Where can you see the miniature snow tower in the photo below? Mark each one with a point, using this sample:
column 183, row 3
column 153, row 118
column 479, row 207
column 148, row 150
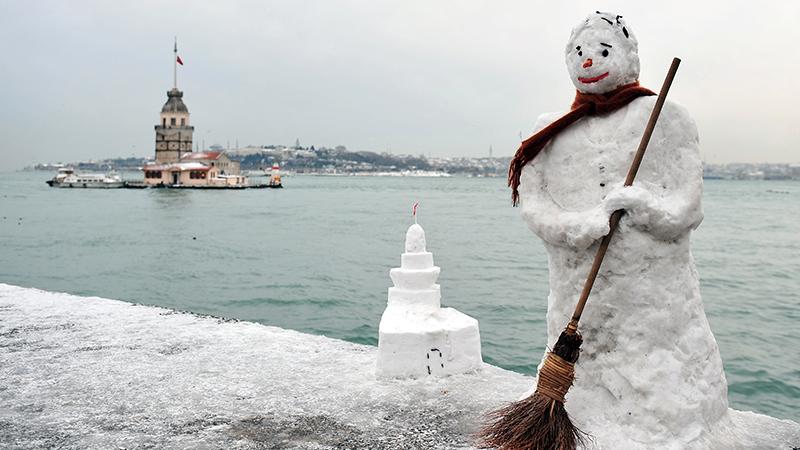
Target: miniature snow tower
column 417, row 337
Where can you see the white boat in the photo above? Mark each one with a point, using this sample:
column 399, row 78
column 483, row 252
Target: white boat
column 67, row 178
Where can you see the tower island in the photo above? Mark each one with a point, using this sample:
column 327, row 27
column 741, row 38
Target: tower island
column 176, row 165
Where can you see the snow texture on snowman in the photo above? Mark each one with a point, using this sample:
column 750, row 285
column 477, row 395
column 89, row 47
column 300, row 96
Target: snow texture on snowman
column 650, row 369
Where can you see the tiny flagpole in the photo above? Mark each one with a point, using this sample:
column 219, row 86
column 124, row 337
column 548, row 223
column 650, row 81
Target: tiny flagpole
column 175, row 65
column 414, row 211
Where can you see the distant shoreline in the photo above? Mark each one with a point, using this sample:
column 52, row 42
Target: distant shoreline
column 342, row 162
column 415, row 174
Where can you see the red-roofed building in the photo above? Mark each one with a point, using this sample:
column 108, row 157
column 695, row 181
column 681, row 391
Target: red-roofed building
column 190, row 174
column 201, row 155
column 213, row 159
column 195, row 169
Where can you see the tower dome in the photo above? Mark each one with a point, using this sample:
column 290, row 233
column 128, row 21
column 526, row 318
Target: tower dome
column 174, row 102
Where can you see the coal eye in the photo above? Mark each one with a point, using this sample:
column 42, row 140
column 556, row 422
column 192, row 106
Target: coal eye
column 580, row 53
column 605, row 52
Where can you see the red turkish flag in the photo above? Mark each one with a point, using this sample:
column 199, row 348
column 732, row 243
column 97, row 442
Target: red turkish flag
column 180, row 61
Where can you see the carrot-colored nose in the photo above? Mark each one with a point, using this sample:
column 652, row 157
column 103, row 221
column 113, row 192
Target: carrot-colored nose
column 587, row 63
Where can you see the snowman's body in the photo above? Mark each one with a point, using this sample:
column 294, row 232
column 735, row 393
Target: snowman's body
column 650, row 365
column 650, row 373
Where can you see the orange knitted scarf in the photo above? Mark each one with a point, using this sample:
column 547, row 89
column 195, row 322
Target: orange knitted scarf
column 584, row 105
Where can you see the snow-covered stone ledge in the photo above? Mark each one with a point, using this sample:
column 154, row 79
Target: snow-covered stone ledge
column 79, row 372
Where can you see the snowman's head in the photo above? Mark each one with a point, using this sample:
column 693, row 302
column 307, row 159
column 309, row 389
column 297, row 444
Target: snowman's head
column 602, row 54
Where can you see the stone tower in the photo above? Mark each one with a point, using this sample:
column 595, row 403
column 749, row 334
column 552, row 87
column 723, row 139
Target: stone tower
column 173, row 134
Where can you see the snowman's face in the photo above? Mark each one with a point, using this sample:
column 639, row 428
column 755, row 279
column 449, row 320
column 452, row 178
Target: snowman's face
column 600, row 59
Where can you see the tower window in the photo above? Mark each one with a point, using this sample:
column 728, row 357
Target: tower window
column 164, row 122
column 183, row 122
column 172, row 121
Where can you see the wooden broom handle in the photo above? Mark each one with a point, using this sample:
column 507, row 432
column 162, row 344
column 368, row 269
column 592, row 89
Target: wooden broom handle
column 617, row 215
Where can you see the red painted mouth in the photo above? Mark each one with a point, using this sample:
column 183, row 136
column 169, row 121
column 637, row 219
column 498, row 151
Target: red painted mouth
column 593, row 79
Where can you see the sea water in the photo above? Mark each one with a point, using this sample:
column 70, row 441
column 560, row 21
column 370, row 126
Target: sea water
column 315, row 256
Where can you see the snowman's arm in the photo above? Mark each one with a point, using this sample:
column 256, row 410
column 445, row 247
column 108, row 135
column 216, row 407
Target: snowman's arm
column 553, row 224
column 674, row 206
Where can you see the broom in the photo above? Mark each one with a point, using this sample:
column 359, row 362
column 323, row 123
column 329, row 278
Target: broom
column 540, row 421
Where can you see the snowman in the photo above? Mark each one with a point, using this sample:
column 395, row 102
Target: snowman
column 650, row 369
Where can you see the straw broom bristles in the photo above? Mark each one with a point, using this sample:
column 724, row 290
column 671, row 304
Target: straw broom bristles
column 540, row 421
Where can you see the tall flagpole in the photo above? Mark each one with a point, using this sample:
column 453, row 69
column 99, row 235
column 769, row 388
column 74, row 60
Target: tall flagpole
column 175, row 66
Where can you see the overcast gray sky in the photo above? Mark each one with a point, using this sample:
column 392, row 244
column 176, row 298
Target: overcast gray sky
column 84, row 79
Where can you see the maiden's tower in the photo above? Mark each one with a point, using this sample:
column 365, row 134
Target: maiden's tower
column 173, row 134
column 176, row 165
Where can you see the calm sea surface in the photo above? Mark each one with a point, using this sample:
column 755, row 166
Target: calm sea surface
column 315, row 257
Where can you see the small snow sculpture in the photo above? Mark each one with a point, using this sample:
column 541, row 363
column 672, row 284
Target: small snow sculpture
column 650, row 370
column 417, row 337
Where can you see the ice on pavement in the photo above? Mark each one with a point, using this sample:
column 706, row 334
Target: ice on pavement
column 95, row 373
column 78, row 372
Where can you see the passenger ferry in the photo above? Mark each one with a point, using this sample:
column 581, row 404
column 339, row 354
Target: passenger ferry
column 67, row 178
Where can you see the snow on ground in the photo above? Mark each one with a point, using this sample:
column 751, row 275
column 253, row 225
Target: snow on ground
column 95, row 373
column 80, row 372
